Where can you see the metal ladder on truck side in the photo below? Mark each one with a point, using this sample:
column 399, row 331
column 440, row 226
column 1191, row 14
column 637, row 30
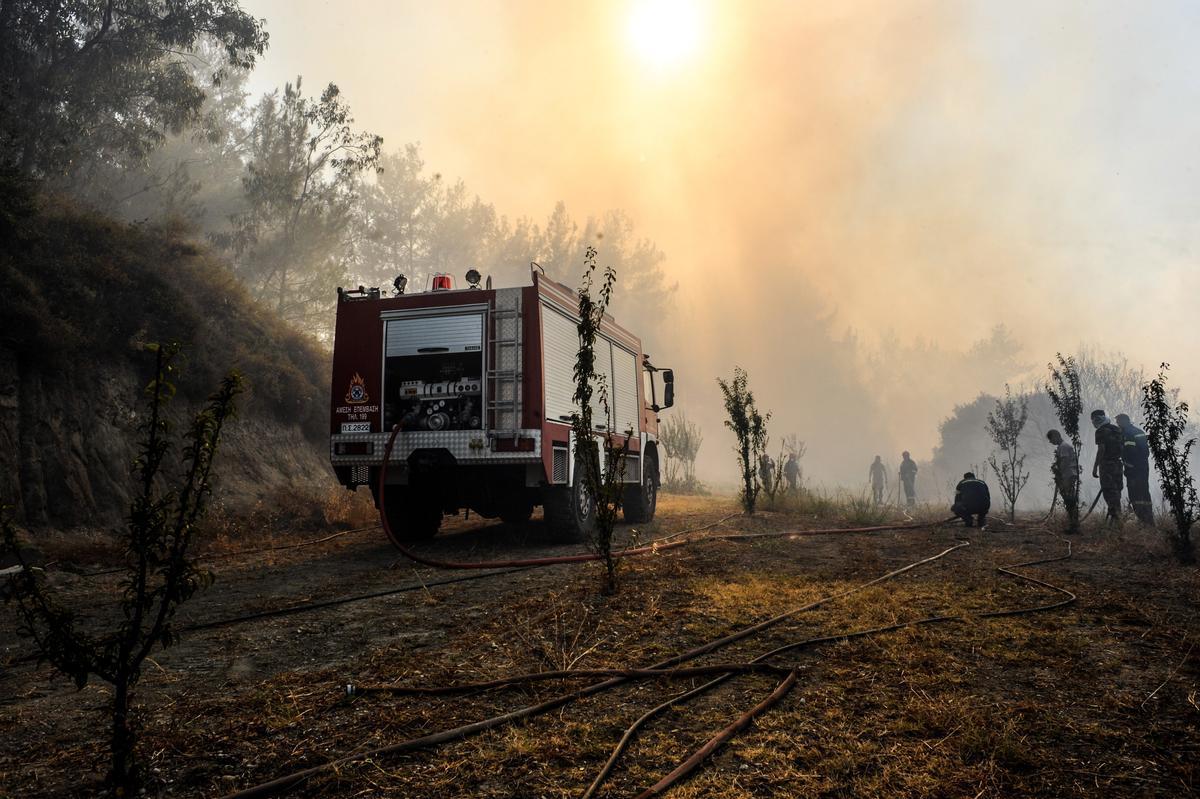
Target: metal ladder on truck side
column 504, row 365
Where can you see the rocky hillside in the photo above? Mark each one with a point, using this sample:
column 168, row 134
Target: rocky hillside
column 80, row 297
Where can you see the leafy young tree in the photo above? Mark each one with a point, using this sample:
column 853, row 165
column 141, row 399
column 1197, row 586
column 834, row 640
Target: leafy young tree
column 1064, row 391
column 85, row 79
column 1004, row 425
column 750, row 427
column 603, row 481
column 293, row 242
column 161, row 575
column 1166, row 426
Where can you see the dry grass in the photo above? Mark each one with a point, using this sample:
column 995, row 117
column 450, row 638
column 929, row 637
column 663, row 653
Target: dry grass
column 286, row 515
column 1054, row 704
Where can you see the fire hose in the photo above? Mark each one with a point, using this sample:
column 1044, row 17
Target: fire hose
column 285, row 783
column 1093, row 507
column 307, row 607
column 693, row 762
column 666, row 669
column 727, row 671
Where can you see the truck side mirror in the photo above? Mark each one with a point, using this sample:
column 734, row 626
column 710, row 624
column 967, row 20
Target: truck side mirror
column 668, row 376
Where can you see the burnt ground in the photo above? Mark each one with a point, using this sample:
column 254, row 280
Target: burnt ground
column 1097, row 698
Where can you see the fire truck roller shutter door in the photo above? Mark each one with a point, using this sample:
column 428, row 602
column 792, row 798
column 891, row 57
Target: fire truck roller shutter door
column 561, row 338
column 419, row 335
column 603, row 368
column 625, row 374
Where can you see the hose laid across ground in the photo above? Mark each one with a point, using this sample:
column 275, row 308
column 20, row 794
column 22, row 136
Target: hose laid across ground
column 726, row 672
column 691, row 763
column 495, row 569
column 254, row 551
column 289, row 781
column 303, row 607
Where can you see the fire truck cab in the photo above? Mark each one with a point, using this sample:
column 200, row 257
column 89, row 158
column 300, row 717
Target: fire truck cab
column 480, row 383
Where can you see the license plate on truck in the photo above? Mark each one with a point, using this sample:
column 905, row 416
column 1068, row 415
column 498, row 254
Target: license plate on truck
column 356, row 427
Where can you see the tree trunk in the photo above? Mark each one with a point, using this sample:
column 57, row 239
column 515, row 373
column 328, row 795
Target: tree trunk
column 123, row 772
column 609, row 586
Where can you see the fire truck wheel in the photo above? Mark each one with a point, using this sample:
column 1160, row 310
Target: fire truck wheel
column 640, row 501
column 570, row 513
column 410, row 518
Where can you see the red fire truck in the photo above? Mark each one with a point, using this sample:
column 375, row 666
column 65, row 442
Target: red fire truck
column 480, row 382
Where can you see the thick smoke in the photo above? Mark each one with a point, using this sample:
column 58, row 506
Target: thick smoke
column 916, row 173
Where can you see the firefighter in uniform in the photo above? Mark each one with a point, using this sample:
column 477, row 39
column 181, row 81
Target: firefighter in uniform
column 791, row 471
column 878, row 479
column 972, row 498
column 1066, row 477
column 1136, row 455
column 766, row 472
column 1110, row 446
column 908, row 478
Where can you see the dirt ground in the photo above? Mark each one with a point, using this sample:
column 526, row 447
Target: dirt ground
column 1098, row 698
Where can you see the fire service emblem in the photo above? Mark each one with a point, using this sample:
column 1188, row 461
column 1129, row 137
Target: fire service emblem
column 357, row 394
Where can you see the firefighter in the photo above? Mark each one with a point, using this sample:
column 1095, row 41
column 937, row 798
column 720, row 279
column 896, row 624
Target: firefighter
column 878, row 479
column 908, row 478
column 1136, row 457
column 766, row 472
column 972, row 498
column 791, row 471
column 1066, row 477
column 1110, row 445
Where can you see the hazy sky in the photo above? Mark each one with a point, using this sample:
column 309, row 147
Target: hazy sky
column 918, row 167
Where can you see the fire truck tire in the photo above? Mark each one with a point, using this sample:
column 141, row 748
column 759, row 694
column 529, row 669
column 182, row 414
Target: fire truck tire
column 640, row 501
column 570, row 513
column 410, row 518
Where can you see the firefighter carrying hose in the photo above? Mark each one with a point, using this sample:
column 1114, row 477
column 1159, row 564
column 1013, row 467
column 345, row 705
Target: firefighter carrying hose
column 1110, row 446
column 972, row 498
column 1136, row 456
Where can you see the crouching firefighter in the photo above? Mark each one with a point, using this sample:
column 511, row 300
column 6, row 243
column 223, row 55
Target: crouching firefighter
column 1109, row 464
column 972, row 498
column 1136, row 456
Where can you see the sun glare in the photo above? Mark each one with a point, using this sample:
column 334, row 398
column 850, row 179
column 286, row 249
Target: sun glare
column 664, row 33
